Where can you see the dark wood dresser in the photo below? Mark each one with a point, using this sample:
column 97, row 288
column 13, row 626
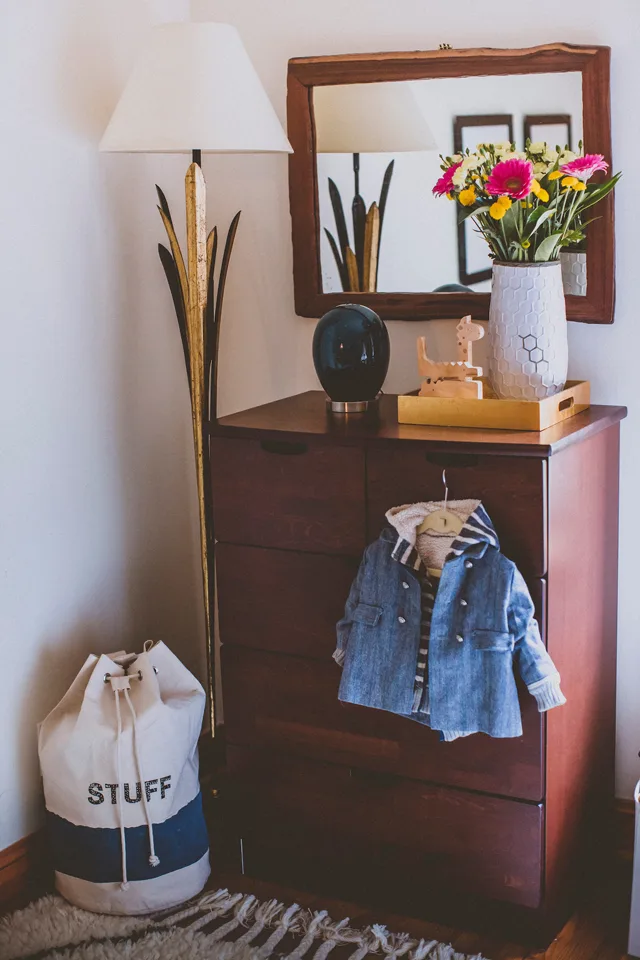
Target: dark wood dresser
column 363, row 804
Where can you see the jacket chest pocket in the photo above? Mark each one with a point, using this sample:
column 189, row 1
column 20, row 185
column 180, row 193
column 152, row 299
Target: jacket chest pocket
column 368, row 613
column 492, row 641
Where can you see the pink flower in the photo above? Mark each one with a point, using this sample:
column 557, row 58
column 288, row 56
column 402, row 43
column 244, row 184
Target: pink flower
column 584, row 167
column 511, row 178
column 445, row 183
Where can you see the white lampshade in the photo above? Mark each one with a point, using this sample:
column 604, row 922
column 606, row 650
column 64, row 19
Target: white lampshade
column 194, row 88
column 370, row 118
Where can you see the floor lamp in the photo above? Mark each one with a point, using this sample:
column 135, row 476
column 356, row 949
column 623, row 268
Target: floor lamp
column 194, row 90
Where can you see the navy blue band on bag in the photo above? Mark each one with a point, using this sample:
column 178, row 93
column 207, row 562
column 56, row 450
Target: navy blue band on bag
column 94, row 853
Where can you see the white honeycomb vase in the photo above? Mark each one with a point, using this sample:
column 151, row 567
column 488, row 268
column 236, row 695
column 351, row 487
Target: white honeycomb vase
column 574, row 273
column 528, row 353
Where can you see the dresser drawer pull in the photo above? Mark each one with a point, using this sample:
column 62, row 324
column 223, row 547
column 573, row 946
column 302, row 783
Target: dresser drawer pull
column 283, row 447
column 447, row 460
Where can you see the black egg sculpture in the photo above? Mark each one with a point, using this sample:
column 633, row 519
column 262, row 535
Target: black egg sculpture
column 351, row 356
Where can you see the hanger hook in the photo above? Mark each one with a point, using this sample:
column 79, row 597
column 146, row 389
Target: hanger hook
column 446, row 488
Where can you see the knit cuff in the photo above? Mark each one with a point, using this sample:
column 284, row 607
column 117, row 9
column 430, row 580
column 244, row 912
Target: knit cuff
column 449, row 735
column 547, row 692
column 338, row 656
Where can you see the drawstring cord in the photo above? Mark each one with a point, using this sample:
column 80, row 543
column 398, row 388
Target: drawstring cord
column 153, row 859
column 123, row 684
column 123, row 841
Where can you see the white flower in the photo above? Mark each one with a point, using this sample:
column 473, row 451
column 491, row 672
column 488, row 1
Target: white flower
column 538, row 147
column 550, row 155
column 566, row 156
column 459, row 177
column 540, row 169
column 472, row 162
column 503, row 147
column 457, row 157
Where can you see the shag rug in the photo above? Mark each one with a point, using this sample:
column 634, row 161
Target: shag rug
column 216, row 926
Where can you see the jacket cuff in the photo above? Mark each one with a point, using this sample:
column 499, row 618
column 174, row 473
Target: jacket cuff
column 547, row 692
column 338, row 656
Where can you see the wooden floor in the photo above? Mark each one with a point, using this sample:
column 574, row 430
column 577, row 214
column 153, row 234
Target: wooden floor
column 598, row 931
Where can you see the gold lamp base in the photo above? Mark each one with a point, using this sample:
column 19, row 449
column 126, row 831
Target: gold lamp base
column 198, row 306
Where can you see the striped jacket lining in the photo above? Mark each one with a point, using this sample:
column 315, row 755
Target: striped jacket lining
column 478, row 529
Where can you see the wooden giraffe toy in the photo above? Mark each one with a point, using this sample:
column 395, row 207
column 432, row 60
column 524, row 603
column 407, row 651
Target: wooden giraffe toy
column 455, row 378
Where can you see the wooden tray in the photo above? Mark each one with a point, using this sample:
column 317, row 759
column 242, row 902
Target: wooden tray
column 497, row 414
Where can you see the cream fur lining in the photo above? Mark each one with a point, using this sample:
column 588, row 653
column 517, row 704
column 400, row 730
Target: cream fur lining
column 432, row 550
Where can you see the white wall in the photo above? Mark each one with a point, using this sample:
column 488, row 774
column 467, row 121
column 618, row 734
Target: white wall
column 280, row 29
column 98, row 531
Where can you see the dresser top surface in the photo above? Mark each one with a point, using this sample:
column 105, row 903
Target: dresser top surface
column 306, row 415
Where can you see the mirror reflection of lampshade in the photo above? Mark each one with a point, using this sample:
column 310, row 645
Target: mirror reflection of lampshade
column 365, row 118
column 370, row 118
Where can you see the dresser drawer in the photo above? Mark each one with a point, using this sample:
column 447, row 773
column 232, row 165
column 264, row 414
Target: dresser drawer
column 293, row 495
column 291, row 704
column 299, row 817
column 512, row 490
column 296, row 598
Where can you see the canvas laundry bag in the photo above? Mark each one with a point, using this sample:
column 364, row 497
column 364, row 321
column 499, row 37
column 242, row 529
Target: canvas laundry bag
column 120, row 771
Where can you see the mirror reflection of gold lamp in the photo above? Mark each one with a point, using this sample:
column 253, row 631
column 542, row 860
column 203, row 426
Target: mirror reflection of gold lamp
column 194, row 90
column 365, row 118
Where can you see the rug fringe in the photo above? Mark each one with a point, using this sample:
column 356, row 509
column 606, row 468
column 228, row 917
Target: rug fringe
column 244, row 910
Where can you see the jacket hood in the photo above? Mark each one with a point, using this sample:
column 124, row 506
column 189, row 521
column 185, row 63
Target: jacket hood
column 476, row 534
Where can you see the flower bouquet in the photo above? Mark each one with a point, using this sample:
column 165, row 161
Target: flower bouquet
column 529, row 206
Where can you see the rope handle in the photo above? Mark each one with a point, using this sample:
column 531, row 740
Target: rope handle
column 123, row 685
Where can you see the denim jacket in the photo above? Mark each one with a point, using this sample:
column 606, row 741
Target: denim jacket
column 445, row 658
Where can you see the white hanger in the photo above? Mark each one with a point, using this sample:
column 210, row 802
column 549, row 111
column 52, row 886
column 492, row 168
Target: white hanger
column 442, row 521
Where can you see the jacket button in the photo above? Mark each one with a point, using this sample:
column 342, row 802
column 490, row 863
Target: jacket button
column 405, row 584
column 401, row 620
column 463, row 603
column 468, row 564
column 460, row 638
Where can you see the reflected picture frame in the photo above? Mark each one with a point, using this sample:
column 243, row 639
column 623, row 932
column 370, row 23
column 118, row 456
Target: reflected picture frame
column 542, row 120
column 501, row 125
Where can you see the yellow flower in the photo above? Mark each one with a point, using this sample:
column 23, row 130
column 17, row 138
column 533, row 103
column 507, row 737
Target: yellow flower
column 539, row 191
column 555, row 175
column 526, row 244
column 579, row 185
column 569, row 181
column 450, row 196
column 504, row 201
column 467, row 197
column 497, row 210
column 525, row 204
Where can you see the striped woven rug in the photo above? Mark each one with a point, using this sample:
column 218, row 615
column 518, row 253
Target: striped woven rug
column 216, row 926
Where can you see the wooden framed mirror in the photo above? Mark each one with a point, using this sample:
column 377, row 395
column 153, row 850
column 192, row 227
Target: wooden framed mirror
column 557, row 87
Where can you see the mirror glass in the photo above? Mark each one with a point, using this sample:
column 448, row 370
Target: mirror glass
column 380, row 143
